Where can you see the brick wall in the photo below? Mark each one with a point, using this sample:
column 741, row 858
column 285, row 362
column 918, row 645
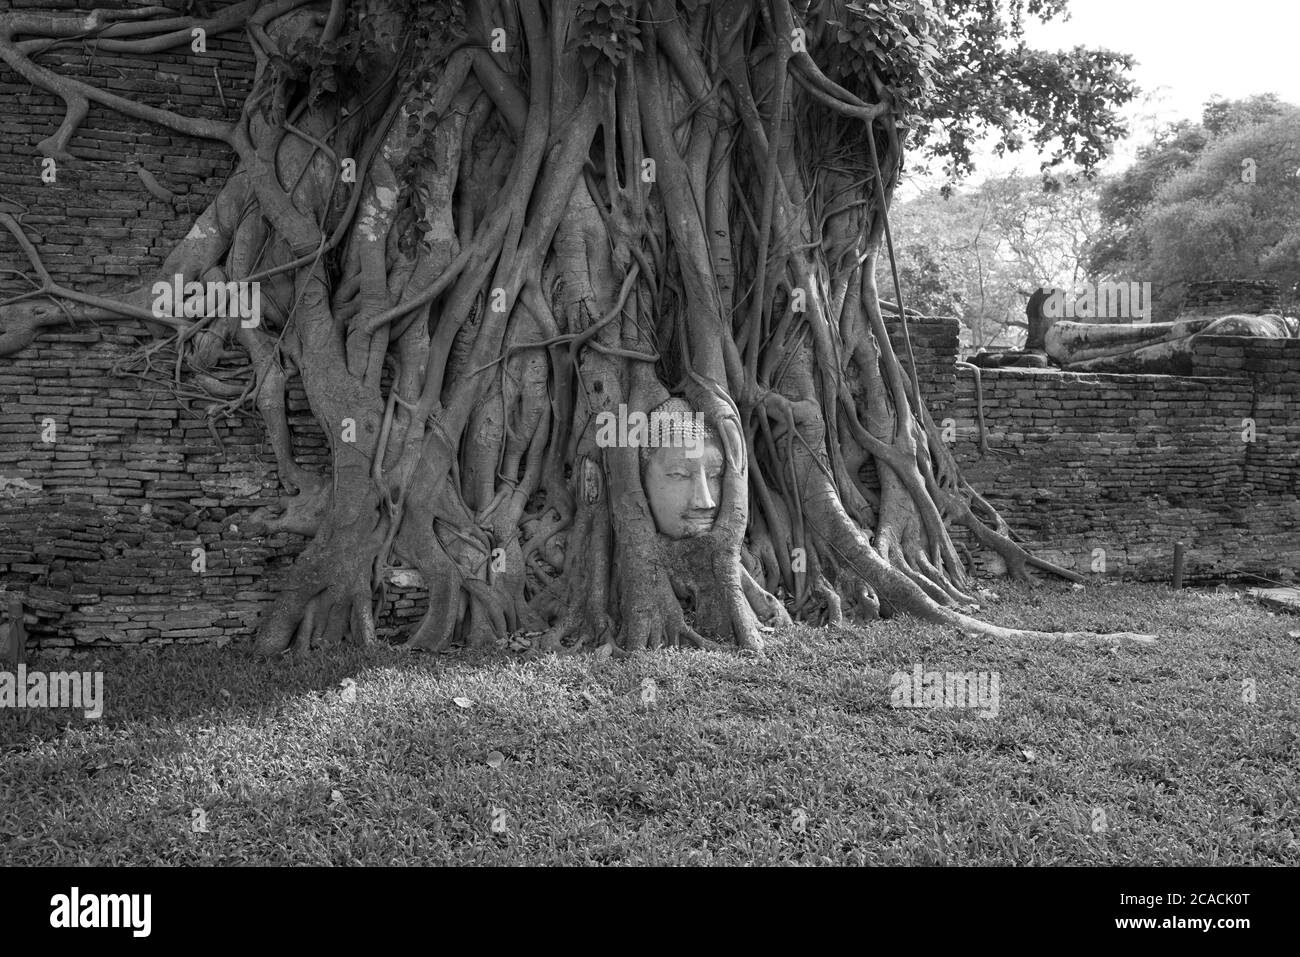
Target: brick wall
column 934, row 344
column 1223, row 297
column 1133, row 463
column 98, row 527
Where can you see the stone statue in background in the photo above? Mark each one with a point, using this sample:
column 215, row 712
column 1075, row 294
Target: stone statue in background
column 1157, row 347
column 681, row 470
column 1033, row 356
column 1154, row 347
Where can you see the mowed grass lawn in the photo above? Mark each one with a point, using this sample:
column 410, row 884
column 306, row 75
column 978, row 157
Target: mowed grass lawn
column 797, row 757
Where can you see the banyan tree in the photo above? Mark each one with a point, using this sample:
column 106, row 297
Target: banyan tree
column 586, row 296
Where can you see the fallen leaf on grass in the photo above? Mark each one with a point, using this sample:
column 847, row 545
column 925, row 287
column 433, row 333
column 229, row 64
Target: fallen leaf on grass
column 462, row 702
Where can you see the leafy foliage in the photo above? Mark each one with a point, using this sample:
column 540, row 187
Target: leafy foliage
column 1208, row 222
column 891, row 40
column 324, row 67
column 1124, row 197
column 1183, row 212
column 439, row 27
column 981, row 251
column 932, row 281
column 605, row 29
column 962, row 71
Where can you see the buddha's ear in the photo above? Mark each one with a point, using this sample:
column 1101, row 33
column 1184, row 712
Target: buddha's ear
column 733, row 445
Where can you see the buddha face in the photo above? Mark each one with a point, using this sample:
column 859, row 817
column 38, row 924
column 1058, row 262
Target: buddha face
column 684, row 487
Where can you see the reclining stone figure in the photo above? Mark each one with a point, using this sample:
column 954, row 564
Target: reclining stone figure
column 1157, row 347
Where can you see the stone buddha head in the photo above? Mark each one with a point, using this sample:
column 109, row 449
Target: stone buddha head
column 682, row 466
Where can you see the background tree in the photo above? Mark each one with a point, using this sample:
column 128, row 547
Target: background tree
column 986, row 247
column 930, row 277
column 559, row 209
column 929, row 234
column 1182, row 212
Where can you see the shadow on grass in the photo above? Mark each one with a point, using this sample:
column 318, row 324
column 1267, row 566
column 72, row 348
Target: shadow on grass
column 180, row 683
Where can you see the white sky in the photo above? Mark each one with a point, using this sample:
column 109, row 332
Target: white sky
column 1186, row 51
column 1191, row 48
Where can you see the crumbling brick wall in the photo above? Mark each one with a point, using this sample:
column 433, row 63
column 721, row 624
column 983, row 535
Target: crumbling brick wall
column 110, row 475
column 1222, row 297
column 1130, row 464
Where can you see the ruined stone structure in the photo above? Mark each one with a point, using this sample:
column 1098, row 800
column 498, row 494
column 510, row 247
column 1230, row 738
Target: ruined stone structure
column 121, row 505
column 1222, row 297
column 1131, row 464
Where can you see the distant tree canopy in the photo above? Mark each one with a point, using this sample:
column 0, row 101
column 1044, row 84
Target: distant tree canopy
column 983, row 81
column 979, row 253
column 1217, row 199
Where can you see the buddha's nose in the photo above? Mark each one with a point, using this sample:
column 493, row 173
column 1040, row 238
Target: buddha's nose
column 701, row 498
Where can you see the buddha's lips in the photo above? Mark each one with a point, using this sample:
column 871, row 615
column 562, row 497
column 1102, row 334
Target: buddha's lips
column 704, row 519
